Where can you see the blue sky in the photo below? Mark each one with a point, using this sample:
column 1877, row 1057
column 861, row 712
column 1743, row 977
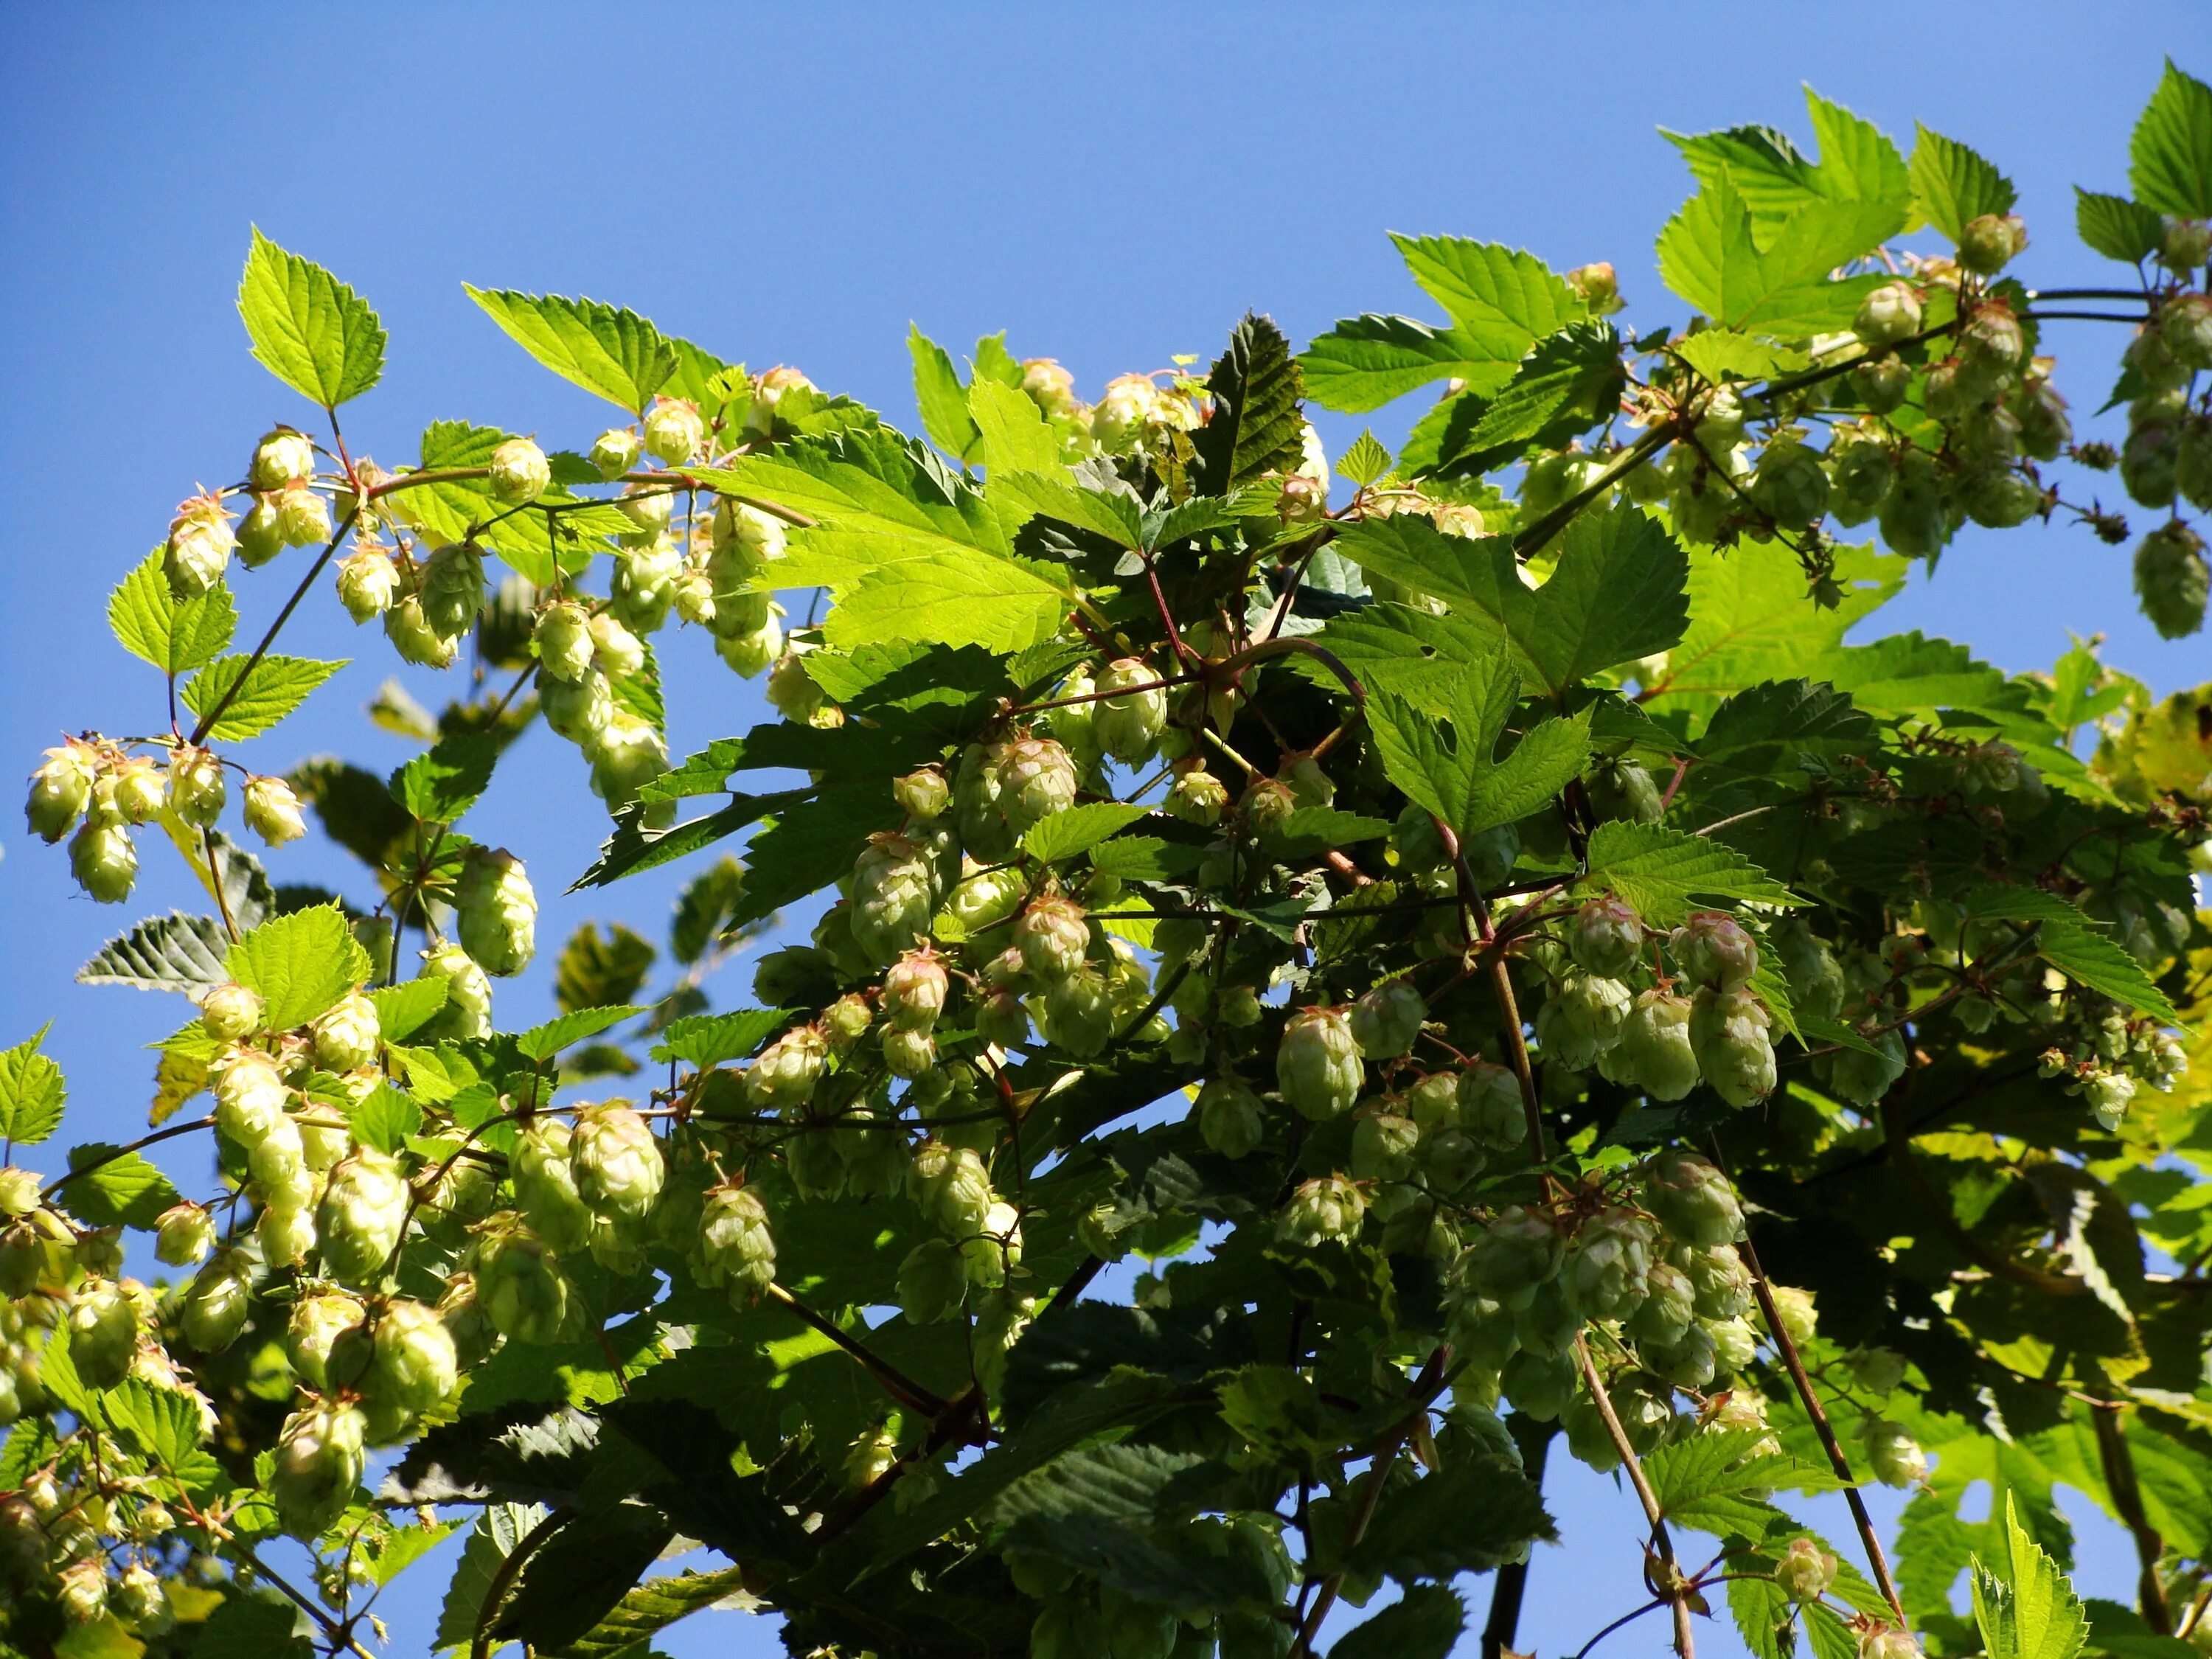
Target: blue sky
column 1111, row 185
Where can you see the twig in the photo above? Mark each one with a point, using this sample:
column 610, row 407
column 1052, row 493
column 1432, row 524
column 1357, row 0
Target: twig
column 1674, row 1588
column 230, row 692
column 2127, row 1498
column 902, row 1388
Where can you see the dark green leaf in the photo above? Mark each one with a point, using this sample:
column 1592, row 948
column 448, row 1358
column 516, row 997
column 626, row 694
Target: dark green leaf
column 175, row 952
column 578, row 1575
column 599, row 970
column 1256, row 428
column 252, row 1627
column 490, row 1541
column 1425, row 1623
column 1663, row 873
column 356, row 808
column 1501, row 298
column 2096, row 960
column 633, row 847
column 440, row 787
column 705, row 1040
column 1318, row 827
column 1078, row 830
column 1709, row 255
column 628, row 1629
column 1467, row 1517
column 1364, row 362
column 1568, row 380
column 707, row 902
column 125, row 1191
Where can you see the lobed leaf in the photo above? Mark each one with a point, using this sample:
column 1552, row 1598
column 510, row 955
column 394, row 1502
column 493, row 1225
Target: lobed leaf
column 301, row 963
column 1663, row 873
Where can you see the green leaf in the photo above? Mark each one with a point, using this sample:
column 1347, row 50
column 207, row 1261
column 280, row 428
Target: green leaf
column 31, row 1092
column 2097, row 961
column 440, row 785
column 248, row 1626
column 2170, row 154
column 273, row 688
column 705, row 1040
column 1364, row 462
column 959, row 597
column 1052, row 496
column 302, row 963
column 1569, row 380
column 1762, row 728
column 1078, row 830
column 175, row 952
column 1619, row 593
column 1501, row 299
column 126, row 1191
column 384, row 1119
column 1710, row 256
column 1468, row 1516
column 163, row 1422
column 1952, row 184
column 405, row 1008
column 941, row 398
column 1721, row 353
column 1551, row 757
column 308, row 329
column 627, row 1631
column 633, row 847
column 1435, row 756
column 490, row 1541
column 1363, row 362
column 2117, row 228
column 1858, row 164
column 1663, row 873
column 1015, row 436
column 1256, row 427
column 615, row 353
column 1425, row 1623
column 600, row 971
column 1718, row 1482
column 1319, row 827
column 703, row 907
column 992, row 361
column 1141, row 857
column 2026, row 1610
column 153, row 626
column 544, row 1042
column 391, row 1551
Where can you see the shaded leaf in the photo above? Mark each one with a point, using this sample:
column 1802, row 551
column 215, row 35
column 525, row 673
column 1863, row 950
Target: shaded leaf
column 175, row 952
column 1078, row 830
column 440, row 787
column 1256, row 428
column 600, row 969
column 1664, row 873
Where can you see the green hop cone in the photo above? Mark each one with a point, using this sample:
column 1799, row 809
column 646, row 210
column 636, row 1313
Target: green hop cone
column 1691, row 1361
column 103, row 1327
column 952, row 1185
column 1196, row 796
column 615, row 451
column 1991, row 350
column 1053, row 938
column 932, row 1282
column 736, row 1249
column 1911, row 516
column 1607, row 1265
column 283, row 456
column 1622, row 789
column 1881, row 383
column 452, row 589
column 1317, row 1063
column 1805, row 1570
column 2192, row 472
column 1325, row 1208
column 414, row 1366
column 347, row 1035
column 412, row 636
column 2173, row 579
column 2148, row 460
column 1654, row 1052
column 1988, row 242
column 616, row 1162
column 1694, row 1200
column 1881, row 1641
column 466, row 1321
column 2184, row 327
column 1540, row 1385
column 544, row 1174
column 229, row 1012
column 302, row 520
column 1729, row 1032
column 520, row 472
column 1605, row 938
column 1863, row 1079
column 984, row 898
column 497, row 911
column 1583, row 1019
column 996, row 1250
column 1384, row 1144
column 894, row 891
column 1860, row 474
column 367, row 582
column 1790, row 485
column 674, row 431
column 643, row 589
column 1490, row 1108
column 563, row 640
column 467, row 1013
column 361, row 1216
column 1718, row 1279
column 1712, row 948
column 104, row 862
column 1816, row 979
column 1230, row 1120
column 1890, row 314
column 1036, row 779
column 61, row 790
column 521, row 1287
column 199, row 550
column 1894, row 1456
column 1077, row 1013
column 217, row 1303
column 286, row 1234
column 2045, row 429
column 183, row 1235
column 1134, row 1629
column 140, row 1602
column 1515, row 1253
column 914, row 990
column 197, row 785
column 788, row 1069
column 1386, row 1019
column 922, row 795
column 1132, row 710
column 1669, row 1305
column 319, row 1318
column 626, row 754
column 320, row 1459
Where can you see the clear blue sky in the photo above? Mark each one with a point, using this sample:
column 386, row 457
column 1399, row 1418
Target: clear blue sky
column 1111, row 185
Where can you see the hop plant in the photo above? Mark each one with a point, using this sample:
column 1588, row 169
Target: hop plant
column 735, row 1248
column 103, row 1327
column 467, row 1012
column 1583, row 1019
column 519, row 470
column 1654, row 1052
column 1325, row 1210
column 1694, row 1200
column 1386, row 1020
column 1132, row 709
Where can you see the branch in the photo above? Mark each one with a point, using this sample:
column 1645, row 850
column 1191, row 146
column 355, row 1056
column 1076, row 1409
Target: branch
column 2127, row 1500
column 1995, row 1262
column 230, row 692
column 144, row 1141
column 1676, row 1588
column 1867, row 1536
column 902, row 1388
column 1500, row 1630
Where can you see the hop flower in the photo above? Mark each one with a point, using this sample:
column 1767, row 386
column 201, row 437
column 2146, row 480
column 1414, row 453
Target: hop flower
column 217, row 1302
column 1051, row 387
column 228, row 1012
column 1607, row 937
column 519, row 470
column 1053, row 938
column 1077, row 1013
column 346, row 1034
column 1654, row 1052
column 467, row 1013
column 103, row 1327
column 497, row 911
column 1036, row 779
column 1894, row 1456
column 1229, row 1116
column 2173, row 579
column 1800, row 1317
column 791, row 690
column 2185, row 328
column 286, row 1235
column 788, row 1069
column 196, row 789
column 61, row 789
column 1863, row 1078
column 914, row 990
column 140, row 1602
column 199, row 546
column 952, row 1186
column 615, row 451
column 1196, row 796
column 1988, row 242
column 272, row 810
column 644, row 586
column 367, row 580
column 1317, row 1063
column 320, row 1317
column 1384, row 1144
column 1880, row 1641
column 1607, row 1264
column 748, row 651
column 103, row 860
column 1326, row 1208
column 361, row 1215
column 1388, row 1018
column 250, row 1097
column 1132, row 710
column 1890, row 314
column 1728, row 1034
column 302, row 517
column 1790, row 485
column 183, row 1234
column 409, row 629
column 452, row 591
column 1516, row 1253
column 932, row 1282
column 83, row 1589
column 563, row 640
column 543, row 1175
column 521, row 1286
column 736, row 1248
column 413, row 1367
column 1583, row 1019
column 618, row 1168
column 281, row 457
column 674, row 431
column 1669, row 1304
column 1692, row 1200
column 320, row 1459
